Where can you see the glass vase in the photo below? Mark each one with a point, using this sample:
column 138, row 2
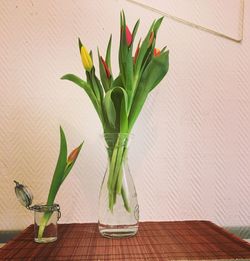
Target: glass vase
column 118, row 205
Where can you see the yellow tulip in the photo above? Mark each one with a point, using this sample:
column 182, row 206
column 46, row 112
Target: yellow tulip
column 86, row 59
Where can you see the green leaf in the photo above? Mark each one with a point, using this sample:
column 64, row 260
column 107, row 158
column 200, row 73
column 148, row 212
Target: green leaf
column 150, row 52
column 103, row 75
column 91, row 54
column 163, row 49
column 116, row 105
column 123, row 19
column 146, row 51
column 157, row 25
column 118, row 82
column 120, row 98
column 123, row 49
column 123, row 114
column 158, row 69
column 96, row 86
column 143, row 49
column 60, row 167
column 129, row 71
column 79, row 44
column 148, row 56
column 73, row 78
column 135, row 29
column 152, row 75
column 108, row 53
column 110, row 108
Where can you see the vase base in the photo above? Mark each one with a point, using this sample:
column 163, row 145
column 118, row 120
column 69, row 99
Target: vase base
column 118, row 231
column 45, row 240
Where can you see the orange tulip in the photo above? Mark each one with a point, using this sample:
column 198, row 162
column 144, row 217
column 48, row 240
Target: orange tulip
column 73, row 155
column 157, row 52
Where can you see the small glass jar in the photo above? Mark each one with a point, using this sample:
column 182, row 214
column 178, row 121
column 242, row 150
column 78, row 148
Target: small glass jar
column 45, row 222
column 45, row 216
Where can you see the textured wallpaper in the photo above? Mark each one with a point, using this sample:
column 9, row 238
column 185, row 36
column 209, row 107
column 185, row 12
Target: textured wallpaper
column 190, row 152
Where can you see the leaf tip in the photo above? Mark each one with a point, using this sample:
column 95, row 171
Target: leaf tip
column 61, row 129
column 79, row 43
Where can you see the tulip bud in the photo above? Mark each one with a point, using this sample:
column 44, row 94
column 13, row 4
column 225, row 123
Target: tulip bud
column 86, row 59
column 128, row 36
column 157, row 52
column 151, row 38
column 73, row 155
column 137, row 52
column 106, row 68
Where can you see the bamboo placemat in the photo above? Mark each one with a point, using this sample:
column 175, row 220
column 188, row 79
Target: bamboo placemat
column 155, row 241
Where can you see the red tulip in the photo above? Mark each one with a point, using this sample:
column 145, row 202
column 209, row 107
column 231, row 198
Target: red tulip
column 105, row 67
column 129, row 37
column 157, row 52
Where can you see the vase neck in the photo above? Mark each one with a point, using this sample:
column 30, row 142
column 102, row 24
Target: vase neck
column 116, row 140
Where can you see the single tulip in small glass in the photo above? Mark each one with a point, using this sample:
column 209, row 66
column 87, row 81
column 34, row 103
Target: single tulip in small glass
column 45, row 214
column 50, row 230
column 118, row 101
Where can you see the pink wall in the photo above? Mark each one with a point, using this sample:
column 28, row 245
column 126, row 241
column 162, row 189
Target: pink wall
column 190, row 155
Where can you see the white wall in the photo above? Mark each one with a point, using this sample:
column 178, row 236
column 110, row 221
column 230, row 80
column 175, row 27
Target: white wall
column 190, row 155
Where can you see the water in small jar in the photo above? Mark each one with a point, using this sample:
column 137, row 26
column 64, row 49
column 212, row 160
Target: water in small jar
column 45, row 223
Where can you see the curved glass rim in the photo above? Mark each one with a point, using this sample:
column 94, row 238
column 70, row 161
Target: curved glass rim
column 45, row 207
column 113, row 133
column 117, row 139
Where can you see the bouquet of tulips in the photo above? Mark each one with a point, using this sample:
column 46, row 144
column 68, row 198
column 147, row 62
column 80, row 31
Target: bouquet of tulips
column 119, row 100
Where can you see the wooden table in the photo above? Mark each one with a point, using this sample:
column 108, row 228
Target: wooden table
column 155, row 241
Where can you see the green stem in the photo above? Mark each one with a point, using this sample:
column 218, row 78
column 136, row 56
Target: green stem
column 120, row 176
column 117, row 169
column 125, row 200
column 112, row 168
column 116, row 173
column 43, row 223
